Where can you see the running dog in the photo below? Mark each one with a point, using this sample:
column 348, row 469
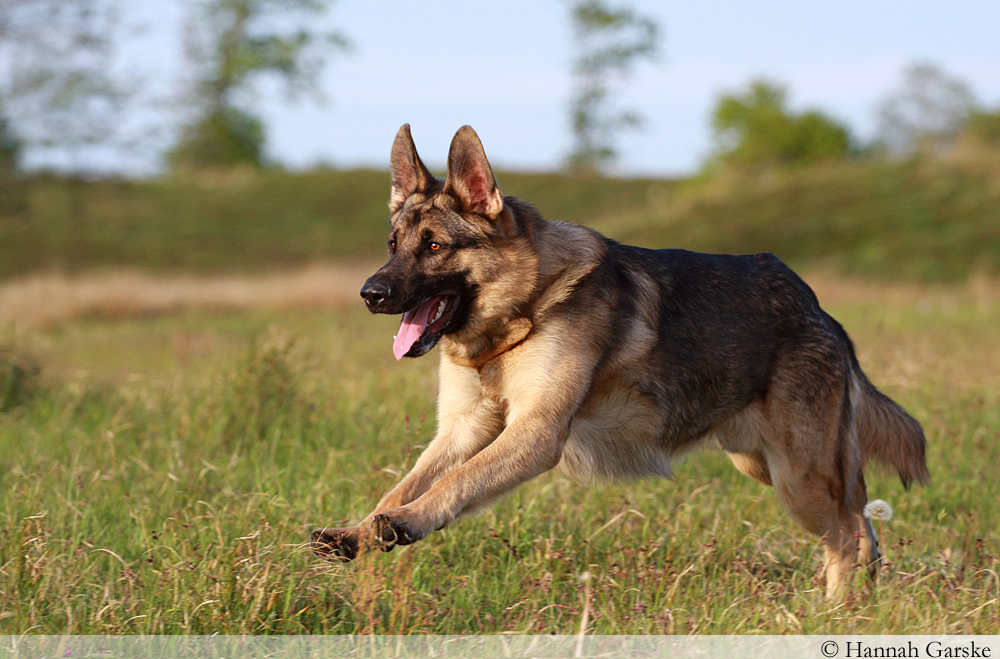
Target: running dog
column 563, row 348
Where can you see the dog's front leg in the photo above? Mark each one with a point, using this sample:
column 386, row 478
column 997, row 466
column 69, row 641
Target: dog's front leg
column 525, row 449
column 467, row 422
column 543, row 384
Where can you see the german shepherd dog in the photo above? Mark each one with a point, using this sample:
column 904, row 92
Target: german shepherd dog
column 560, row 347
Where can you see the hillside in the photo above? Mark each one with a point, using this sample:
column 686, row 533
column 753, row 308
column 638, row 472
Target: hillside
column 930, row 221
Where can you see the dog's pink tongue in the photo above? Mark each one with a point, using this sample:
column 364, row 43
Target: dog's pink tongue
column 414, row 323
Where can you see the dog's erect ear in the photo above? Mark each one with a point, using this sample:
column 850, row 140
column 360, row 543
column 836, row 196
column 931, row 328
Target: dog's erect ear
column 407, row 172
column 470, row 178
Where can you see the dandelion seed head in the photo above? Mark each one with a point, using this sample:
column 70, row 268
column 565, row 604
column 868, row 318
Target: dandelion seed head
column 878, row 509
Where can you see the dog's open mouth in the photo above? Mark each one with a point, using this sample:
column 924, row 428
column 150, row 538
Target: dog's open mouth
column 423, row 325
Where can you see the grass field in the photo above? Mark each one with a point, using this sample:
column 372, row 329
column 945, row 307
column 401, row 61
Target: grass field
column 161, row 473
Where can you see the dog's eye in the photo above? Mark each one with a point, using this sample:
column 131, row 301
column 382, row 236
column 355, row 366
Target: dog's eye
column 392, row 244
column 435, row 246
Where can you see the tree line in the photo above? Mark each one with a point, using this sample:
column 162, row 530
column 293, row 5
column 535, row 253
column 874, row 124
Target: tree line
column 63, row 91
column 930, row 114
column 63, row 88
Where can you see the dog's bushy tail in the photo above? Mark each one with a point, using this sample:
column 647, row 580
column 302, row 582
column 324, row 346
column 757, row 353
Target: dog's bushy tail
column 889, row 435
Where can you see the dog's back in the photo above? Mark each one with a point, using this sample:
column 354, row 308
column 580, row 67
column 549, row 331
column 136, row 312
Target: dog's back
column 729, row 329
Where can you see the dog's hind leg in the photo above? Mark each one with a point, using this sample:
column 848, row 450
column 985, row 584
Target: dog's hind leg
column 754, row 465
column 814, row 461
column 811, row 496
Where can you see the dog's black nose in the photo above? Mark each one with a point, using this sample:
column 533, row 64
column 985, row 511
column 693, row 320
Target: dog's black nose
column 375, row 293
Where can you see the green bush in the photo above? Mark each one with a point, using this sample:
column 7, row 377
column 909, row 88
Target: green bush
column 18, row 378
column 984, row 127
column 10, row 148
column 754, row 130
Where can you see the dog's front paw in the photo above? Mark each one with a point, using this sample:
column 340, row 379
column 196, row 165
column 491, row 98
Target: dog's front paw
column 390, row 530
column 335, row 544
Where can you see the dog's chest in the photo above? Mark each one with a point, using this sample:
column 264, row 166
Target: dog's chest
column 491, row 382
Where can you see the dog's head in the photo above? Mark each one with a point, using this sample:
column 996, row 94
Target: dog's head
column 437, row 226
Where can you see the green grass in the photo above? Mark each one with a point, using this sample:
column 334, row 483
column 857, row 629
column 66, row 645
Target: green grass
column 926, row 220
column 161, row 474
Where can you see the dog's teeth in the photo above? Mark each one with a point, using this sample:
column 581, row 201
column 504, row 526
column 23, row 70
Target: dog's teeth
column 440, row 310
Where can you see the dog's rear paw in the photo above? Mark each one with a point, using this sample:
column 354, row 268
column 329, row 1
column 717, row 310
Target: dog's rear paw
column 335, row 544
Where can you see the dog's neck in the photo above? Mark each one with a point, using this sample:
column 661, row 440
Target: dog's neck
column 563, row 254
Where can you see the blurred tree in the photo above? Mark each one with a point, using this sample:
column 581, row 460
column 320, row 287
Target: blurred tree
column 609, row 42
column 926, row 114
column 227, row 136
column 983, row 127
column 59, row 83
column 231, row 43
column 10, row 148
column 754, row 130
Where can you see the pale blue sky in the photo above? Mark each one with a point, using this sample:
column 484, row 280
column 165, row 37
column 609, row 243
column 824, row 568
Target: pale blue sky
column 504, row 68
